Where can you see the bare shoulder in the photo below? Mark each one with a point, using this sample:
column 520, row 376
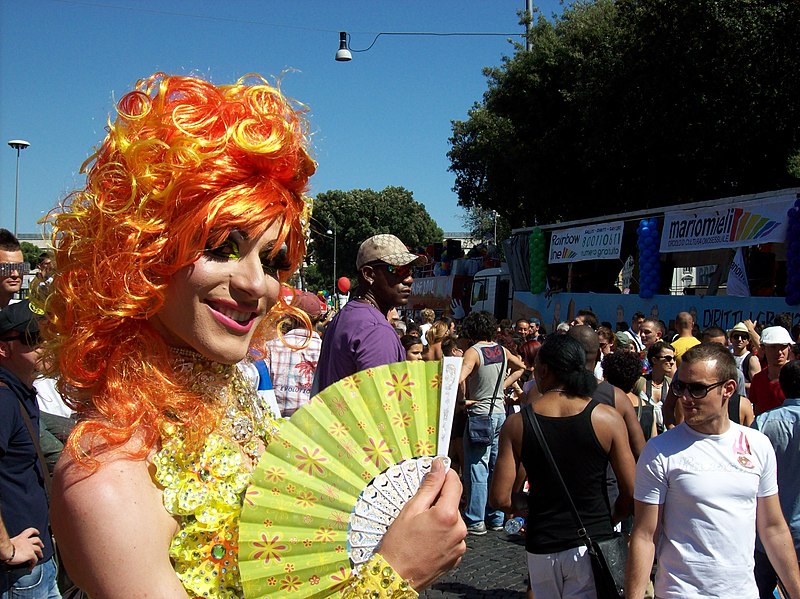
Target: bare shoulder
column 605, row 414
column 118, row 477
column 513, row 423
column 111, row 523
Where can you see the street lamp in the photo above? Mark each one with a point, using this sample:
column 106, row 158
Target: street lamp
column 335, row 288
column 17, row 144
column 344, row 53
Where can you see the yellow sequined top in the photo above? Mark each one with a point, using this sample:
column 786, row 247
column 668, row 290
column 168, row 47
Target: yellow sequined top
column 204, row 490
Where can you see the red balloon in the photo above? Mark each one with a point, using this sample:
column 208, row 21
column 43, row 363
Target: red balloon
column 343, row 284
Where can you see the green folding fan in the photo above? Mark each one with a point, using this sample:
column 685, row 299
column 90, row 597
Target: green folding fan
column 338, row 473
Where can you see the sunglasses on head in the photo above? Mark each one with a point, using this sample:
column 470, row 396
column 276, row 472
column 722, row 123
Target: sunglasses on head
column 7, row 269
column 696, row 390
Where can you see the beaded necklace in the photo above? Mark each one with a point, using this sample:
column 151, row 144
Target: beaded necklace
column 245, row 417
column 203, row 487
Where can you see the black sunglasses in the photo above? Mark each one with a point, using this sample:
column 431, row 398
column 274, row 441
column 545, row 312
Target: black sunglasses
column 666, row 358
column 740, row 336
column 696, row 390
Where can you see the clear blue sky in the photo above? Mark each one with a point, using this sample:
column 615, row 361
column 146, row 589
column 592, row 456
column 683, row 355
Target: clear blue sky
column 382, row 119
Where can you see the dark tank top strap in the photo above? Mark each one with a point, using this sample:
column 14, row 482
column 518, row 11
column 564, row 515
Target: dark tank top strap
column 733, row 407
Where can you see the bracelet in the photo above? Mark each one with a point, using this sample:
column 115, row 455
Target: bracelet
column 13, row 553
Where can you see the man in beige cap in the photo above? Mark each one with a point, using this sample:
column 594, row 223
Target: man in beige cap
column 360, row 336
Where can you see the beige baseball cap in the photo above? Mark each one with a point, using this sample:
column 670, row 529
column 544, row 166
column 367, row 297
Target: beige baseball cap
column 389, row 249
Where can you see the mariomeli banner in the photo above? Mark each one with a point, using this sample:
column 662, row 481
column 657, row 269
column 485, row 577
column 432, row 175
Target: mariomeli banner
column 726, row 227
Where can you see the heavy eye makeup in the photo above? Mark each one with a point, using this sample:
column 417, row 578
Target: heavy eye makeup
column 235, row 246
column 275, row 263
column 228, row 249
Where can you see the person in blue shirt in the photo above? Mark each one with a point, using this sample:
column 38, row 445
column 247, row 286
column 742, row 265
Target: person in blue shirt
column 26, row 551
column 782, row 427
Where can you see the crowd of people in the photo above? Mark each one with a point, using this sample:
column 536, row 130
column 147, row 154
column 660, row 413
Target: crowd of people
column 163, row 328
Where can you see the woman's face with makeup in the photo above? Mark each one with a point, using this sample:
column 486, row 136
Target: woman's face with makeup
column 214, row 305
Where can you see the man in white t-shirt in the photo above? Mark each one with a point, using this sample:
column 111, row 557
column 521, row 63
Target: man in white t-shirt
column 702, row 489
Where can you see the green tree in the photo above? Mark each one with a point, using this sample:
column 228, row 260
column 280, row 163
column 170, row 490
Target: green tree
column 30, row 253
column 485, row 225
column 630, row 104
column 358, row 214
column 314, row 280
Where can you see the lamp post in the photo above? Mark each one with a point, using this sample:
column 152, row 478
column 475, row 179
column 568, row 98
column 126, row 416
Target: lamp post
column 17, row 144
column 344, row 53
column 335, row 287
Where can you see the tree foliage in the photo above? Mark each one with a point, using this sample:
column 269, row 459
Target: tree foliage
column 30, row 253
column 632, row 104
column 485, row 225
column 358, row 214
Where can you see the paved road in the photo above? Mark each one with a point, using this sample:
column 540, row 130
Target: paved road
column 493, row 567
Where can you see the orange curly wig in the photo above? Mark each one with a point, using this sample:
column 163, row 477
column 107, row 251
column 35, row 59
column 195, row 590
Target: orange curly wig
column 184, row 163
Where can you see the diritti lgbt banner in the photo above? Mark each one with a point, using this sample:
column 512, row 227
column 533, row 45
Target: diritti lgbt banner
column 726, row 227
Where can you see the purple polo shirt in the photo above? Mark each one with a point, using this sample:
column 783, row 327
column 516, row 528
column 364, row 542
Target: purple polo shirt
column 358, row 337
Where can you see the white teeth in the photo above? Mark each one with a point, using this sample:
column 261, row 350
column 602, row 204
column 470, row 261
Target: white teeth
column 240, row 317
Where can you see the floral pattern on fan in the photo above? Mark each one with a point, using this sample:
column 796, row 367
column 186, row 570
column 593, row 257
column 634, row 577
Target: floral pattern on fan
column 334, row 478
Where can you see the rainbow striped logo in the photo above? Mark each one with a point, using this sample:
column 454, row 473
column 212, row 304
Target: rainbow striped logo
column 569, row 253
column 747, row 225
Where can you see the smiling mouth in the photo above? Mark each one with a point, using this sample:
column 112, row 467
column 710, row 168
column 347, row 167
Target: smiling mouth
column 240, row 317
column 238, row 320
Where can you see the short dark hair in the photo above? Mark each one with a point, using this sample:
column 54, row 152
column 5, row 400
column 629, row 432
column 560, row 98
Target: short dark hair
column 656, row 348
column 565, row 358
column 706, row 352
column 659, row 325
column 637, row 315
column 479, row 326
column 604, row 331
column 413, row 326
column 789, row 379
column 448, row 345
column 409, row 340
column 715, row 332
column 622, row 369
column 589, row 318
column 9, row 241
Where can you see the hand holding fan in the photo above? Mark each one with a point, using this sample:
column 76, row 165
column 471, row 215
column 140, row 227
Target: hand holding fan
column 337, row 474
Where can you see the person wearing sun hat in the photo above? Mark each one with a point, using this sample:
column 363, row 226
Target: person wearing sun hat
column 744, row 345
column 765, row 389
column 360, row 336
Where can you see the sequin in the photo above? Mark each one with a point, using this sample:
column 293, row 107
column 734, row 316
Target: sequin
column 204, row 489
column 218, row 551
